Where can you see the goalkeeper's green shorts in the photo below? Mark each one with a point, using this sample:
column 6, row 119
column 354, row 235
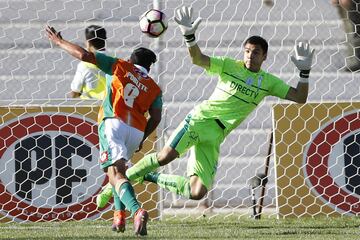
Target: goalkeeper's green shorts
column 204, row 138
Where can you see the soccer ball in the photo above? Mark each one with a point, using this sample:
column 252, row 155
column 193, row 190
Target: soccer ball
column 153, row 23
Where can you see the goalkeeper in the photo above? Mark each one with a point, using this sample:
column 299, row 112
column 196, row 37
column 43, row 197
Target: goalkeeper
column 241, row 87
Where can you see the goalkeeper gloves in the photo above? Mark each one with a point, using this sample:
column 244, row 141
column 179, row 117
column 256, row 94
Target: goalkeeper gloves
column 183, row 17
column 303, row 59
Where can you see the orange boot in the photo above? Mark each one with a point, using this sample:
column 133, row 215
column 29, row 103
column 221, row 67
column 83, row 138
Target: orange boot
column 119, row 221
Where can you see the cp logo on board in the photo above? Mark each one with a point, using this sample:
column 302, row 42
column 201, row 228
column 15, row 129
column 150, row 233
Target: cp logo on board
column 49, row 167
column 332, row 163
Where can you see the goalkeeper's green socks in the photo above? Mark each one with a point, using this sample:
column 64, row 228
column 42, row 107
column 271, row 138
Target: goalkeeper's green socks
column 118, row 204
column 147, row 164
column 127, row 196
column 174, row 183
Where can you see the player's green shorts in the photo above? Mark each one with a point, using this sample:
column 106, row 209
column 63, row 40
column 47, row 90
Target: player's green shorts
column 204, row 138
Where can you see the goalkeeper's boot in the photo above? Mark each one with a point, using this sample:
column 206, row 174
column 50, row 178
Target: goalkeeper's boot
column 140, row 220
column 104, row 196
column 119, row 221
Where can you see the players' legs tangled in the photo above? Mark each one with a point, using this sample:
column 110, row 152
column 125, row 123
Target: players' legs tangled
column 126, row 194
column 191, row 188
column 201, row 165
column 119, row 219
column 103, row 198
column 113, row 134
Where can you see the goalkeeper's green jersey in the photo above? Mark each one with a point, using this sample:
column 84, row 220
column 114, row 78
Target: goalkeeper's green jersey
column 237, row 93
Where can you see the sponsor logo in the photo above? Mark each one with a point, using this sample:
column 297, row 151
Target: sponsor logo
column 49, row 168
column 332, row 163
column 249, row 81
column 104, row 157
column 121, row 193
column 260, row 79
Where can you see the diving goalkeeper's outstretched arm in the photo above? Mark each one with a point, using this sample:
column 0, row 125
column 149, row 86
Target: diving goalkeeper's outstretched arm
column 302, row 60
column 183, row 17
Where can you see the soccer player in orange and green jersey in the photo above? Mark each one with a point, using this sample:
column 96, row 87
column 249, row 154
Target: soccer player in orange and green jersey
column 130, row 93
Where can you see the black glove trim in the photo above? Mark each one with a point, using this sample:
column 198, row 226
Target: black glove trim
column 189, row 38
column 304, row 73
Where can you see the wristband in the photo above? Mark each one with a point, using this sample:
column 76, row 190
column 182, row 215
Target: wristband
column 304, row 73
column 190, row 40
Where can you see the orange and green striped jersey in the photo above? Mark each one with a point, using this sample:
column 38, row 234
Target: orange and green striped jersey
column 129, row 92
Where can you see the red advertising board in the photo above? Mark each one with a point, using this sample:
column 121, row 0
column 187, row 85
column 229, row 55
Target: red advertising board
column 317, row 152
column 49, row 165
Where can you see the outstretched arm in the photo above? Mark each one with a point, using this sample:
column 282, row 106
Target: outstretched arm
column 302, row 60
column 73, row 49
column 198, row 58
column 183, row 17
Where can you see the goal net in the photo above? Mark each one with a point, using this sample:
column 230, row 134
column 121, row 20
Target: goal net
column 48, row 142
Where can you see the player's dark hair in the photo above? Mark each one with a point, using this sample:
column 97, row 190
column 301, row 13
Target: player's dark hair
column 143, row 57
column 96, row 36
column 257, row 40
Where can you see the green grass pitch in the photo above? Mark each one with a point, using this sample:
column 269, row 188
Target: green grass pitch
column 204, row 228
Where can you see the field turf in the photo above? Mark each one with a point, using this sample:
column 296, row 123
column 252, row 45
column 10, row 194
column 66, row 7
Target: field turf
column 218, row 227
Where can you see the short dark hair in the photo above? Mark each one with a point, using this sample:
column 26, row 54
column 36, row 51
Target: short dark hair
column 96, row 36
column 143, row 57
column 257, row 40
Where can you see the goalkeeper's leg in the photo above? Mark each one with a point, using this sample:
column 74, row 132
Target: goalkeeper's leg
column 201, row 165
column 151, row 162
column 180, row 141
column 201, row 168
column 191, row 188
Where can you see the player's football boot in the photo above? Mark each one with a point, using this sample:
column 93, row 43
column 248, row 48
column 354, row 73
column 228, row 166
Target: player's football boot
column 119, row 221
column 140, row 220
column 104, row 196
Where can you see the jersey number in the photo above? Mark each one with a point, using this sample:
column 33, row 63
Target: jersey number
column 130, row 93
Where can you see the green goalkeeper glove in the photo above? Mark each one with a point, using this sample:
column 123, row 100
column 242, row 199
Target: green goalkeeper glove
column 183, row 17
column 303, row 59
